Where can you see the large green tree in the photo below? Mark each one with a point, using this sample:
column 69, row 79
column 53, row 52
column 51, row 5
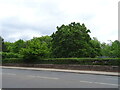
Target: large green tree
column 9, row 46
column 95, row 46
column 1, row 41
column 111, row 50
column 2, row 45
column 37, row 47
column 71, row 41
column 115, row 49
column 18, row 45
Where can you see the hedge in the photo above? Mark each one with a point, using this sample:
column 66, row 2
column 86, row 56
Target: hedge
column 12, row 60
column 81, row 61
column 10, row 55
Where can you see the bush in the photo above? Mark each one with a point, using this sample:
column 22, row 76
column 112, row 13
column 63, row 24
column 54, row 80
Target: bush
column 83, row 61
column 34, row 49
column 80, row 61
column 10, row 55
column 12, row 60
column 30, row 59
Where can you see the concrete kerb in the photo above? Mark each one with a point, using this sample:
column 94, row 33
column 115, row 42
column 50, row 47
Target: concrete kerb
column 64, row 70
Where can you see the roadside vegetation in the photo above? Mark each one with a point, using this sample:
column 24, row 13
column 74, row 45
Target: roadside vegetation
column 70, row 44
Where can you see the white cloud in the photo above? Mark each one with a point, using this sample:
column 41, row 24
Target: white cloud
column 25, row 34
column 100, row 16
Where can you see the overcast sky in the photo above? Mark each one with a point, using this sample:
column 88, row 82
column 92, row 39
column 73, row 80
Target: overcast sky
column 25, row 19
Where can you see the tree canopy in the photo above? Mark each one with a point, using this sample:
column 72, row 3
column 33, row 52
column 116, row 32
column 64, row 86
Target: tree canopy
column 37, row 47
column 71, row 41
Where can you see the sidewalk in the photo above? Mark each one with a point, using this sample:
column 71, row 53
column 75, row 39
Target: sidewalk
column 64, row 70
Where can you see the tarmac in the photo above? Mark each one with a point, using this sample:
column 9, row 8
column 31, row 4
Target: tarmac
column 64, row 70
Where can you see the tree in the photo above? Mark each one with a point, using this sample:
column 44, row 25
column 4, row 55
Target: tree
column 95, row 47
column 36, row 47
column 9, row 46
column 18, row 45
column 105, row 49
column 1, row 41
column 115, row 48
column 111, row 50
column 2, row 45
column 71, row 41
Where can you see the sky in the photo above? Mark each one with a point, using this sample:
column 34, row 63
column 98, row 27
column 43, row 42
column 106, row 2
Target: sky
column 25, row 19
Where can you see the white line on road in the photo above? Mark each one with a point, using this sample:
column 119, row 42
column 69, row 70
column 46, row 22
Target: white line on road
column 9, row 73
column 86, row 82
column 43, row 77
column 99, row 83
column 106, row 83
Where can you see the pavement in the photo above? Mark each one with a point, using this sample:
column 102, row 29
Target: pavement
column 64, row 70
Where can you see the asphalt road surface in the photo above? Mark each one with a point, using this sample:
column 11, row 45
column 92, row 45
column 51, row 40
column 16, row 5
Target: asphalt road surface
column 14, row 78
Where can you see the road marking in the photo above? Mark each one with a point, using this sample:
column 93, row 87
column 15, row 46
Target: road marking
column 100, row 83
column 48, row 78
column 86, row 82
column 106, row 83
column 9, row 73
column 43, row 77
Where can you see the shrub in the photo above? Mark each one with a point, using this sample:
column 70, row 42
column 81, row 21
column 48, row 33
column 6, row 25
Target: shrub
column 12, row 60
column 37, row 47
column 80, row 61
column 10, row 55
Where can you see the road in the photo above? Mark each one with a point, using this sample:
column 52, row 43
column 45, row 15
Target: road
column 14, row 78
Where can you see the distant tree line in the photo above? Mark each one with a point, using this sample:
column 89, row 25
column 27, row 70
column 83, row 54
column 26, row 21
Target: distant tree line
column 69, row 41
